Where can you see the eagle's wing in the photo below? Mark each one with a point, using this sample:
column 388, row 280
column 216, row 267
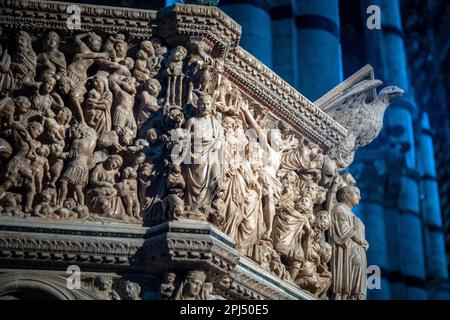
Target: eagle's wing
column 350, row 108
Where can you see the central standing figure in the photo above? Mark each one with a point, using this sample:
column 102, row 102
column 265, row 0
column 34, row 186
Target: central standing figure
column 202, row 167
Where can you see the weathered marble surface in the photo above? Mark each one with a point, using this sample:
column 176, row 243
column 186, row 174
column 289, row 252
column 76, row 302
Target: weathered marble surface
column 156, row 119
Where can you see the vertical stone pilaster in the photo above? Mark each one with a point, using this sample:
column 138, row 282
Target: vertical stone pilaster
column 284, row 41
column 436, row 262
column 318, row 46
column 399, row 123
column 254, row 17
column 371, row 177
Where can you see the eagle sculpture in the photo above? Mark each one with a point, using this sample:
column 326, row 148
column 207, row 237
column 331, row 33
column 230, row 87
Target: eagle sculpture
column 358, row 107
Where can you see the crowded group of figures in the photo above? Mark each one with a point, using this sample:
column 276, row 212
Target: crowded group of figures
column 88, row 132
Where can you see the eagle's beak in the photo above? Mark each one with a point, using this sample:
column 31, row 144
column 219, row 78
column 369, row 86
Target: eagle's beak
column 391, row 93
column 395, row 93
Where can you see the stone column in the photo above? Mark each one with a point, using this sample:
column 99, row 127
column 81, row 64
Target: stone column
column 436, row 260
column 399, row 123
column 254, row 17
column 284, row 41
column 371, row 175
column 318, row 46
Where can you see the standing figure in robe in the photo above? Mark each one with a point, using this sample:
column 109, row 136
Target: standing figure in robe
column 23, row 65
column 6, row 76
column 98, row 106
column 348, row 262
column 270, row 143
column 202, row 168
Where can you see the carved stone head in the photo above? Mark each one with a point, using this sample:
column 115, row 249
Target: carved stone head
column 323, row 222
column 114, row 162
column 94, row 42
column 194, row 284
column 349, row 195
column 147, row 47
column 205, row 105
column 153, row 87
column 63, row 116
column 120, row 48
column 329, row 171
column 23, row 104
column 169, row 277
column 51, row 41
column 48, row 85
column 35, row 129
column 178, row 54
column 23, row 42
column 129, row 173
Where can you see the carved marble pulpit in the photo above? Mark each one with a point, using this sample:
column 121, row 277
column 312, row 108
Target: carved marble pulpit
column 146, row 155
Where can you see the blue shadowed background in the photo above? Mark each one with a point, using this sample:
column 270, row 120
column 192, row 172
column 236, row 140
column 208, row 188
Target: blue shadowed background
column 404, row 175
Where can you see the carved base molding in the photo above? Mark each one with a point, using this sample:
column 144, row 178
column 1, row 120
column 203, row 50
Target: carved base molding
column 107, row 250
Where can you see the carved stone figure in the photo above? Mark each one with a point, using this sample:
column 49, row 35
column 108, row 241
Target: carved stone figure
column 128, row 190
column 81, row 158
column 132, row 290
column 44, row 208
column 104, row 195
column 181, row 126
column 292, row 231
column 145, row 175
column 98, row 106
column 17, row 170
column 149, row 101
column 167, row 286
column 23, row 60
column 86, row 54
column 314, row 275
column 174, row 74
column 51, row 62
column 123, row 118
column 141, row 71
column 104, row 286
column 348, row 262
column 10, row 205
column 6, row 75
column 204, row 167
column 45, row 100
column 270, row 143
column 191, row 287
column 361, row 110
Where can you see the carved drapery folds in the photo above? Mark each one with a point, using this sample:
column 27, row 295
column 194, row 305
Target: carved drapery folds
column 146, row 125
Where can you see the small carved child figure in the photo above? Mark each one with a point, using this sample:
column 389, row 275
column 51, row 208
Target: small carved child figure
column 10, row 205
column 56, row 128
column 175, row 67
column 217, row 216
column 44, row 208
column 128, row 190
column 167, row 286
column 93, row 94
column 146, row 173
column 57, row 164
column 67, row 210
column 40, row 166
column 81, row 211
column 175, row 182
column 141, row 71
column 149, row 100
column 174, row 75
